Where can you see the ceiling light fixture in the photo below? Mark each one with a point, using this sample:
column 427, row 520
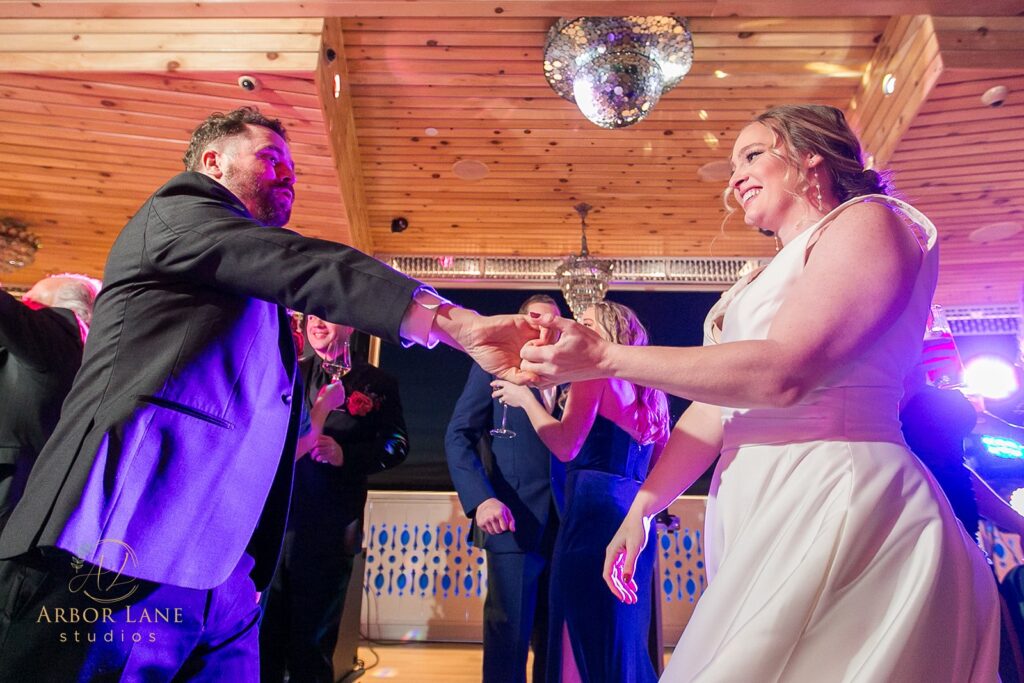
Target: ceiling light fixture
column 18, row 246
column 616, row 68
column 583, row 278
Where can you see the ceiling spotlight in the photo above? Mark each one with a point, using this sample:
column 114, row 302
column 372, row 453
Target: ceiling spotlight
column 888, row 84
column 399, row 224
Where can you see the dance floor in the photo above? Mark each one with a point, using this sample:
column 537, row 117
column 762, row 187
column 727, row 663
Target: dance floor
column 427, row 663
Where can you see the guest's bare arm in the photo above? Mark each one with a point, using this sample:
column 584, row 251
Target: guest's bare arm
column 857, row 279
column 563, row 437
column 329, row 397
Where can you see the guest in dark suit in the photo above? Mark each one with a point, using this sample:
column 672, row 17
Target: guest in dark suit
column 304, row 603
column 164, row 487
column 505, row 486
column 41, row 340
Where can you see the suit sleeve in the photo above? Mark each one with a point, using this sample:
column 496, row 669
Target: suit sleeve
column 33, row 337
column 470, row 421
column 197, row 230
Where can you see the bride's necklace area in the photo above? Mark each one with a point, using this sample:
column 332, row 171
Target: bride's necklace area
column 808, row 221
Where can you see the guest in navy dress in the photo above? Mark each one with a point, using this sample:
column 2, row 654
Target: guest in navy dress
column 608, row 434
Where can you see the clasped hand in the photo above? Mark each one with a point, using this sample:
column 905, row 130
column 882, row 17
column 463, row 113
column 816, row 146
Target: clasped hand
column 565, row 351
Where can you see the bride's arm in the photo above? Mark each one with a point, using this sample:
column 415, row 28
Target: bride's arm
column 693, row 445
column 857, row 279
column 695, row 442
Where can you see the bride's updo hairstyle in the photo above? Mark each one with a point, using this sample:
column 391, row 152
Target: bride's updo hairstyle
column 819, row 129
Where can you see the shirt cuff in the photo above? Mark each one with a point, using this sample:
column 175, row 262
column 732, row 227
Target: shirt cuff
column 418, row 322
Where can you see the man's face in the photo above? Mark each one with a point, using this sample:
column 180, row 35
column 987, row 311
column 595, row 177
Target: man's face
column 257, row 167
column 323, row 335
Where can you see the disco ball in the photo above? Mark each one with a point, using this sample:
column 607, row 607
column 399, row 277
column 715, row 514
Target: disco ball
column 616, row 68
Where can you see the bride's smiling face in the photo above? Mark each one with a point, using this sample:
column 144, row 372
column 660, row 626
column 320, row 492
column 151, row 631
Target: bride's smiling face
column 762, row 183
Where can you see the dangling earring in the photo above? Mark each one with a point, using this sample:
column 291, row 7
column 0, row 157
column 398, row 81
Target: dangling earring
column 817, row 188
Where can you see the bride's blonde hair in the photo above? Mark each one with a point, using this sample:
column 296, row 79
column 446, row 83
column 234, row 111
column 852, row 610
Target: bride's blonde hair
column 823, row 130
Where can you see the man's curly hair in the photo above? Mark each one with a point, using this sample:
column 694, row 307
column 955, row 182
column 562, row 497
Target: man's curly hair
column 218, row 125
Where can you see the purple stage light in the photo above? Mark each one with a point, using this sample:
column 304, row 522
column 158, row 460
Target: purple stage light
column 992, row 377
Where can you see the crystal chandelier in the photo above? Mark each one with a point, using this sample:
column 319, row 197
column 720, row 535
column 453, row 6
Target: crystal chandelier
column 584, row 278
column 17, row 245
column 616, row 68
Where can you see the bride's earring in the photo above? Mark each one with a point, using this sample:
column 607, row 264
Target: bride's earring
column 817, row 189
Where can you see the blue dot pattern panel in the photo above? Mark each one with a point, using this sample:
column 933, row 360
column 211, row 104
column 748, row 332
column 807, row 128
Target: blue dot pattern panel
column 423, row 560
column 681, row 559
column 1003, row 548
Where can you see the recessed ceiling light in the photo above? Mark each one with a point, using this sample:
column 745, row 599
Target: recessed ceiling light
column 714, row 172
column 430, row 132
column 888, row 84
column 469, row 169
column 993, row 232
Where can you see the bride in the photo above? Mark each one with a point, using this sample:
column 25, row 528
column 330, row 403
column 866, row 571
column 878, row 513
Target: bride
column 831, row 554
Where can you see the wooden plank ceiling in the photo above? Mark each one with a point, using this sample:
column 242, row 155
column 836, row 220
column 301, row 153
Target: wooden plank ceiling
column 95, row 112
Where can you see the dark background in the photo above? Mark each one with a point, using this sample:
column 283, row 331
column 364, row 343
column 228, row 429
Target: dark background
column 431, row 381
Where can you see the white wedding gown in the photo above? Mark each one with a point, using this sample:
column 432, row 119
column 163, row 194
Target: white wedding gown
column 831, row 553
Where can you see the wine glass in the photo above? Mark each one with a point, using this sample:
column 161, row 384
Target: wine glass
column 941, row 360
column 503, row 432
column 337, row 359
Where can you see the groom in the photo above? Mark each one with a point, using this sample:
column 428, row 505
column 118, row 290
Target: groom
column 165, row 486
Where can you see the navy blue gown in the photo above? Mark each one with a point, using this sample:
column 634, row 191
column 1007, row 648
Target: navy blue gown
column 609, row 638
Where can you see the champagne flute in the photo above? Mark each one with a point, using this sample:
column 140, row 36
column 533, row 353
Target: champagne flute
column 941, row 360
column 337, row 360
column 503, row 432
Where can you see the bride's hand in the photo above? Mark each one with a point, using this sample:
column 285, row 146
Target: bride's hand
column 621, row 556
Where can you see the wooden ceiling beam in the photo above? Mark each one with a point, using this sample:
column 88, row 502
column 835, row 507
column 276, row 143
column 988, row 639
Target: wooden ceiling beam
column 286, row 46
column 136, row 9
column 908, row 53
column 332, row 82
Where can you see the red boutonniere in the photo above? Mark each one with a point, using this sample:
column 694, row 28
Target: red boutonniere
column 359, row 404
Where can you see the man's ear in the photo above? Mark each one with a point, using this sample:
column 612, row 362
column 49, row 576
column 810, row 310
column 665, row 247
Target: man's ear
column 210, row 163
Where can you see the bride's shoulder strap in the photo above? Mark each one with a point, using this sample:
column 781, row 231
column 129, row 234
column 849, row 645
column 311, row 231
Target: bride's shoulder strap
column 922, row 227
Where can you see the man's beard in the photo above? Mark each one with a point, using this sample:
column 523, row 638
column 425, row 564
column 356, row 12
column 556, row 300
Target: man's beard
column 264, row 202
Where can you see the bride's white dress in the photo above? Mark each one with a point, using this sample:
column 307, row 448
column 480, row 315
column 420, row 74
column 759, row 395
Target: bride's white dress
column 831, row 553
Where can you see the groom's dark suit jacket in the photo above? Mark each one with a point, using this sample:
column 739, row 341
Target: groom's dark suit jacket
column 178, row 436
